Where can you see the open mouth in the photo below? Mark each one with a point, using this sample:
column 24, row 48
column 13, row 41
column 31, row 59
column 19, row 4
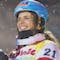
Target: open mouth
column 22, row 27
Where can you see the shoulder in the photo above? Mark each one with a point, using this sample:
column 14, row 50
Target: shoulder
column 50, row 45
column 47, row 43
column 49, row 50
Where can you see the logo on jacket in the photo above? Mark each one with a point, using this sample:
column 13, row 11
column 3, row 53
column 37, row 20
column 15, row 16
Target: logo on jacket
column 30, row 51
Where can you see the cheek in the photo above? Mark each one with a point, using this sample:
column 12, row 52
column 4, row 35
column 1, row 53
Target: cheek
column 28, row 24
column 31, row 24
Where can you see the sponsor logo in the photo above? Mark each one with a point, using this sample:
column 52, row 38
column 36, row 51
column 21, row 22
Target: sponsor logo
column 30, row 51
column 23, row 4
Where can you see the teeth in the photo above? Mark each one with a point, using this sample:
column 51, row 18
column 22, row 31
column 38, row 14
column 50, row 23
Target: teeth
column 22, row 28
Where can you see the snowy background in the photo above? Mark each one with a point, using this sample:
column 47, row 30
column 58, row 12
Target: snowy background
column 8, row 21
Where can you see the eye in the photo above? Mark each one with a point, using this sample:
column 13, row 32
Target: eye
column 26, row 17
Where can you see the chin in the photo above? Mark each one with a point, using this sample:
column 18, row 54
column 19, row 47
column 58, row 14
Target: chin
column 24, row 29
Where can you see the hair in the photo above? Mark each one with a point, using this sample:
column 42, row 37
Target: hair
column 50, row 36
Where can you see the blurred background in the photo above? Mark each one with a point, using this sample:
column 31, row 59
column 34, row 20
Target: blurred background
column 8, row 21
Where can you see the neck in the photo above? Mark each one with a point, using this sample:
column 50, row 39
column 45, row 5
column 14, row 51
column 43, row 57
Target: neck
column 25, row 34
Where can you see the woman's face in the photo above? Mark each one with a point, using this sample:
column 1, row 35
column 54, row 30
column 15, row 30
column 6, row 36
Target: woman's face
column 25, row 21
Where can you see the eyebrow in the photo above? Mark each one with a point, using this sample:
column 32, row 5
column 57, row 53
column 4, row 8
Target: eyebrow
column 26, row 16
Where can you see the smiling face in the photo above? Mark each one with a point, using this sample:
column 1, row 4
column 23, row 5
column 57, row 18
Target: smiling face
column 25, row 21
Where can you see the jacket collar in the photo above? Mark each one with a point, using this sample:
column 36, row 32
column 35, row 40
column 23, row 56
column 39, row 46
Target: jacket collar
column 31, row 40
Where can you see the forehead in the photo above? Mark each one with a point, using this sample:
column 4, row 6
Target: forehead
column 25, row 14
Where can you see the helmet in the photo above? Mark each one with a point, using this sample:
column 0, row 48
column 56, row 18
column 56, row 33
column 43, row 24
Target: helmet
column 34, row 6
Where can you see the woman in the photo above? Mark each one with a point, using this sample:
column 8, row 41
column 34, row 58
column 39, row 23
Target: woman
column 32, row 43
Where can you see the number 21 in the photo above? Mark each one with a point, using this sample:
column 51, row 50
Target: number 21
column 48, row 52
